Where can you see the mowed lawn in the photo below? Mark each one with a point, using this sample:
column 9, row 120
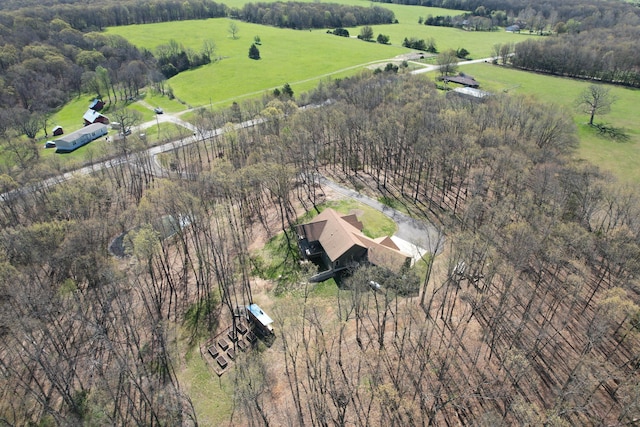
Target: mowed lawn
column 300, row 58
column 621, row 158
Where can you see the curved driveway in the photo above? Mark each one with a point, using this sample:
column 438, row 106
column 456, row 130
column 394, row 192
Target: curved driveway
column 421, row 236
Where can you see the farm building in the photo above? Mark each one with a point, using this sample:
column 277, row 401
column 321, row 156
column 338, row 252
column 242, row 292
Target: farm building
column 462, row 79
column 92, row 116
column 57, row 131
column 469, row 93
column 77, row 139
column 96, row 104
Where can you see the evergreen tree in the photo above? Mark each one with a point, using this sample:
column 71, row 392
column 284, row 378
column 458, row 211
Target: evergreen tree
column 254, row 52
column 286, row 90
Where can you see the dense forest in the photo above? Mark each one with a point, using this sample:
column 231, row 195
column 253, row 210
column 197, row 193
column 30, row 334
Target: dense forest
column 92, row 16
column 541, row 328
column 313, row 15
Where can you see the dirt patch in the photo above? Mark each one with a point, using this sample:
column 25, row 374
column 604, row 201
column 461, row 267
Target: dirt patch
column 413, row 56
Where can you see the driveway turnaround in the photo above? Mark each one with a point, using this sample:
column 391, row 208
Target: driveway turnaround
column 419, row 236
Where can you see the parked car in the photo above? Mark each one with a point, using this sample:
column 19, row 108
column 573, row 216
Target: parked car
column 158, row 110
column 374, row 285
column 50, row 144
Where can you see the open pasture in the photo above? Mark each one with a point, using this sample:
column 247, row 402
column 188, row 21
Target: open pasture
column 299, row 57
column 618, row 157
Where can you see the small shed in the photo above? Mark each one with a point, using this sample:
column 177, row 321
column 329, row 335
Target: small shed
column 77, row 139
column 57, row 131
column 92, row 116
column 260, row 319
column 96, row 105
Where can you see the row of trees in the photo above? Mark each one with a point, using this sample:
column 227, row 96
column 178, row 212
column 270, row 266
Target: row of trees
column 313, row 15
column 465, row 21
column 96, row 16
column 420, row 44
column 605, row 54
column 544, row 14
column 173, row 58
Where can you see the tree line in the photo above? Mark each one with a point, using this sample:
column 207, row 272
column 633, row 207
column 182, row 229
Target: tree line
column 313, row 15
column 607, row 55
column 96, row 16
column 586, row 15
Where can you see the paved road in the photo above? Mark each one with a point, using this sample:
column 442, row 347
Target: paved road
column 418, row 233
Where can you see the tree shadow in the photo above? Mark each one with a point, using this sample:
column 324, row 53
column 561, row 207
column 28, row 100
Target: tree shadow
column 607, row 131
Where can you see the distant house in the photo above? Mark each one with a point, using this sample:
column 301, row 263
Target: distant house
column 462, row 79
column 513, row 29
column 337, row 242
column 77, row 139
column 57, row 131
column 96, row 105
column 92, row 116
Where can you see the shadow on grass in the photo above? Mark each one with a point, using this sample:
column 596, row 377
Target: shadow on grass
column 607, row 131
column 202, row 318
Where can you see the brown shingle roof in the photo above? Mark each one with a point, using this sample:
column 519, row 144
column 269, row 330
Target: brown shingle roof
column 337, row 234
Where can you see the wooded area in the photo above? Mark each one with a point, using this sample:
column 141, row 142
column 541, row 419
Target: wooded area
column 531, row 315
column 608, row 55
column 313, row 15
column 586, row 14
column 541, row 327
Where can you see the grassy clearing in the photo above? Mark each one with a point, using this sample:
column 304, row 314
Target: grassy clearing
column 300, row 58
column 376, row 224
column 211, row 395
column 619, row 158
column 327, row 289
column 156, row 99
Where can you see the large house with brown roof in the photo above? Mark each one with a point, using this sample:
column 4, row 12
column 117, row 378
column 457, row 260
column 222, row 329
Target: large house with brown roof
column 337, row 242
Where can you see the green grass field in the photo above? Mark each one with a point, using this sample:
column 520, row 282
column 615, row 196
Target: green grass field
column 299, row 57
column 211, row 395
column 619, row 158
